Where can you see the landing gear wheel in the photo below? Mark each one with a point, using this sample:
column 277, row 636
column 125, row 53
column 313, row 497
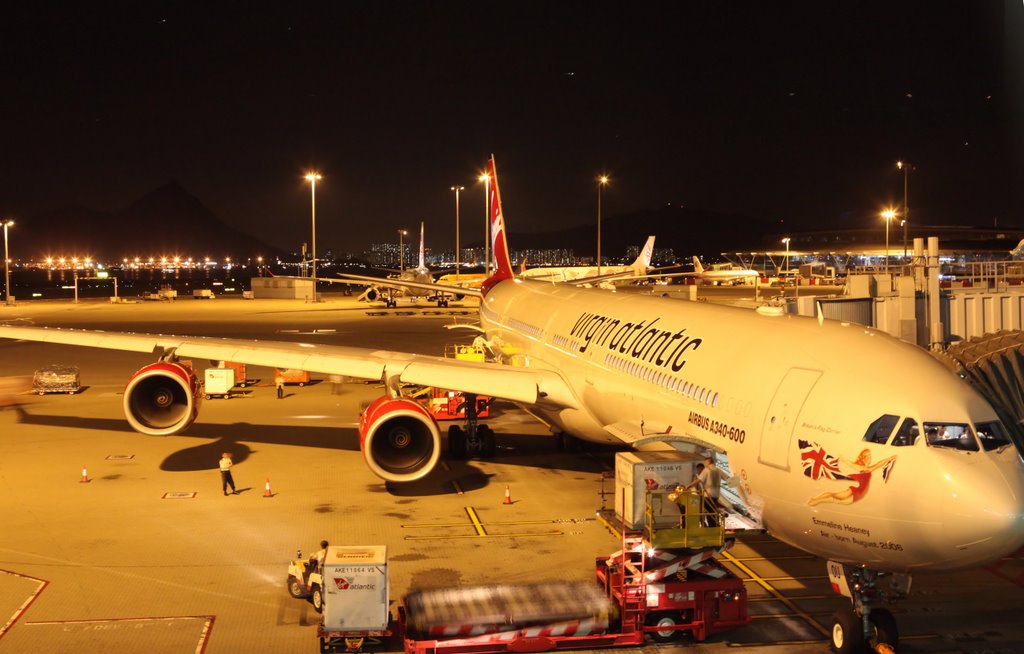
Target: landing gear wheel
column 456, row 442
column 664, row 619
column 885, row 630
column 847, row 632
column 487, row 445
column 318, row 599
column 295, row 587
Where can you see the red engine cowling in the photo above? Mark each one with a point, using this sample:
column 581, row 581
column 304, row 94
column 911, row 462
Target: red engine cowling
column 162, row 398
column 400, row 440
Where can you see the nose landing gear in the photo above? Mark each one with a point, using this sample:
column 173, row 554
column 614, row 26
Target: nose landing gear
column 866, row 626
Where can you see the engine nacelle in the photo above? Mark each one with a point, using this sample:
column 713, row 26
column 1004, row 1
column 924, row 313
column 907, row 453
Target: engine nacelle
column 372, row 294
column 162, row 399
column 400, row 440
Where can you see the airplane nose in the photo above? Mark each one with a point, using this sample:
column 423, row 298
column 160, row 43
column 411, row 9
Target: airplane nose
column 994, row 527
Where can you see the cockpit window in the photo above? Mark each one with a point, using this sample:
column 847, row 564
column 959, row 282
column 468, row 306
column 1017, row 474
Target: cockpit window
column 992, row 435
column 952, row 435
column 907, row 434
column 879, row 430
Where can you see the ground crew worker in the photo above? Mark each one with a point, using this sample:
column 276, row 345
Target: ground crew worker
column 709, row 480
column 225, row 474
column 279, row 383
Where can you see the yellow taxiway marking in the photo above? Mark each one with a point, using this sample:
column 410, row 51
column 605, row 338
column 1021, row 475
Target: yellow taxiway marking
column 779, row 596
column 455, row 482
column 475, row 519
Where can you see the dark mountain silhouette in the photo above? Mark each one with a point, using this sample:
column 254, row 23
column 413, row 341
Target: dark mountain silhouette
column 166, row 222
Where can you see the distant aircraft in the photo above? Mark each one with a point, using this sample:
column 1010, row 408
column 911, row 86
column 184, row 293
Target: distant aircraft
column 414, row 283
column 854, row 446
column 720, row 274
column 592, row 274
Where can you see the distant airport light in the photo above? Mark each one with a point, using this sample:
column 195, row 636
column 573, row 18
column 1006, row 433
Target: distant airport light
column 888, row 215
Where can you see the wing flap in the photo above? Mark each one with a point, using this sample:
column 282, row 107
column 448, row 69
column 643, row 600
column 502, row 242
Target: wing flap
column 516, row 384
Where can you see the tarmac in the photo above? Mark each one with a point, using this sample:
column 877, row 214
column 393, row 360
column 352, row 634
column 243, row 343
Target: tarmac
column 148, row 555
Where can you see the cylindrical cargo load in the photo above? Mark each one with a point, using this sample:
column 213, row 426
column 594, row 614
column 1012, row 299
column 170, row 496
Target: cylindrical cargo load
column 467, row 612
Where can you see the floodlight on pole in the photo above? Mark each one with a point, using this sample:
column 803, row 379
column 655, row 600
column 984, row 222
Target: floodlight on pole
column 486, row 179
column 401, row 249
column 602, row 181
column 888, row 215
column 312, row 177
column 457, row 189
column 905, row 222
column 786, row 241
column 7, row 264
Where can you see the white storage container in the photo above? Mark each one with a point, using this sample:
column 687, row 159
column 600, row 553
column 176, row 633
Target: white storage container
column 219, row 381
column 355, row 588
column 638, row 472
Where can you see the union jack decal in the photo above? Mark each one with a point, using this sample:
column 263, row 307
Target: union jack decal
column 818, row 463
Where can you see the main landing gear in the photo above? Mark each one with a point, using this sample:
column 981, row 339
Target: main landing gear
column 476, row 439
column 866, row 626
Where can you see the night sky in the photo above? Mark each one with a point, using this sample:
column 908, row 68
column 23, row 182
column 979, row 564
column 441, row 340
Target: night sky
column 788, row 111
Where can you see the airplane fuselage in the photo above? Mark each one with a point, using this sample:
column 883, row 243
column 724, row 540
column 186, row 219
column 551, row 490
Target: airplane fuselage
column 649, row 369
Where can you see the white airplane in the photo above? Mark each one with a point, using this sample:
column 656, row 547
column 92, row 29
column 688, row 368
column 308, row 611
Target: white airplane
column 387, row 291
column 858, row 447
column 592, row 274
column 720, row 274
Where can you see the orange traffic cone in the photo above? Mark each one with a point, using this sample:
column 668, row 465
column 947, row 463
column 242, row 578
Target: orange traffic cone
column 266, row 491
column 85, row 477
column 508, row 496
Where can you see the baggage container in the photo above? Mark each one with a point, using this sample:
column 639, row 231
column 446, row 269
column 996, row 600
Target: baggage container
column 636, row 473
column 355, row 594
column 218, row 382
column 56, row 378
column 291, row 376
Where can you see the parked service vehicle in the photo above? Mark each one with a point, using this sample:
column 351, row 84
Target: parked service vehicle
column 202, row 294
column 56, row 378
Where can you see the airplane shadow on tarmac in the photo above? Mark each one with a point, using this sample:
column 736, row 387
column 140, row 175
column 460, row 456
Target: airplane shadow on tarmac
column 533, row 451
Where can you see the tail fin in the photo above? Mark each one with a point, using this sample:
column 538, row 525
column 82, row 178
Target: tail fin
column 643, row 261
column 502, row 261
column 697, row 268
column 423, row 263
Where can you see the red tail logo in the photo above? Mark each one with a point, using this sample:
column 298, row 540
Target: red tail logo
column 503, row 263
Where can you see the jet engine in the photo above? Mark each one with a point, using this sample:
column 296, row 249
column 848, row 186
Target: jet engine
column 372, row 294
column 400, row 440
column 162, row 398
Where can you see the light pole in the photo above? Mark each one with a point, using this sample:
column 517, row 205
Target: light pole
column 312, row 178
column 401, row 250
column 7, row 264
column 486, row 179
column 906, row 168
column 888, row 215
column 601, row 182
column 786, row 241
column 457, row 189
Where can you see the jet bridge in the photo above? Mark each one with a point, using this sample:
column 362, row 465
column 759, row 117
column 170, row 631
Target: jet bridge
column 994, row 365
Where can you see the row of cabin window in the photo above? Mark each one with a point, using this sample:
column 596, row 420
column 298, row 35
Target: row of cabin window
column 674, row 384
column 957, row 436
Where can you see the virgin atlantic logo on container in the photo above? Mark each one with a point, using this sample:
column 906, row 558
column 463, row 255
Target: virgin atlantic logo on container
column 344, row 584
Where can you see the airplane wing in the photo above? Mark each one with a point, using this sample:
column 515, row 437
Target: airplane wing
column 404, row 284
column 528, row 386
